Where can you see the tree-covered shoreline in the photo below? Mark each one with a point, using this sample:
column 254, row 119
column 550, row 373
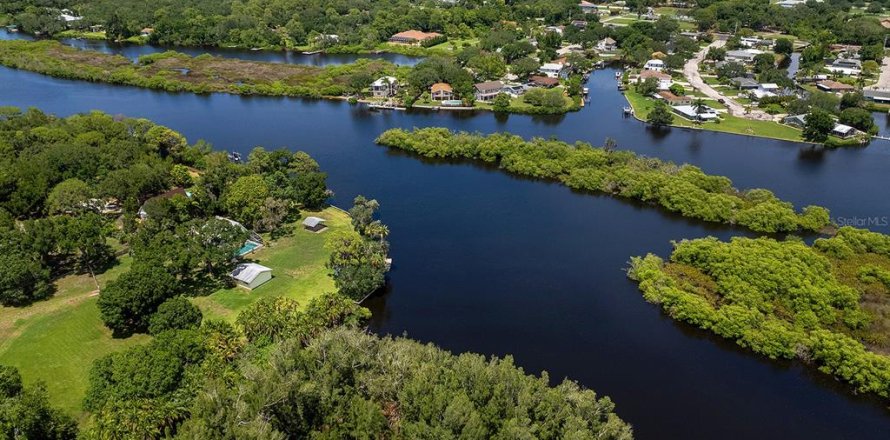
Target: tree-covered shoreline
column 176, row 72
column 684, row 189
column 826, row 304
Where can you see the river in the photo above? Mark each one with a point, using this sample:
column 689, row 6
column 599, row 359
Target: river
column 490, row 263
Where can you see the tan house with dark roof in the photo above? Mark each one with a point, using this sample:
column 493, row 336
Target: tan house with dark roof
column 486, row 91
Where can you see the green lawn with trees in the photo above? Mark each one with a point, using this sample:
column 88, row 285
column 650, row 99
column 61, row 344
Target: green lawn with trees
column 728, row 124
column 298, row 262
column 56, row 341
column 86, row 277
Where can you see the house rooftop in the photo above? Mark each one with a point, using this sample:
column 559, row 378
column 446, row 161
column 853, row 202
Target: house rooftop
column 646, row 74
column 416, row 35
column 833, row 85
column 313, row 221
column 384, row 81
column 741, row 81
column 440, row 87
column 247, row 272
column 489, row 85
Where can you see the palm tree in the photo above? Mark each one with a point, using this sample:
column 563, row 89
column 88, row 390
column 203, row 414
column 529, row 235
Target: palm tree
column 699, row 106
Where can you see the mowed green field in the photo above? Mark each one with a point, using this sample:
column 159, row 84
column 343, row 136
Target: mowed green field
column 298, row 269
column 56, row 341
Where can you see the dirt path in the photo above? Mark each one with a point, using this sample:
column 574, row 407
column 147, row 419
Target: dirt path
column 690, row 71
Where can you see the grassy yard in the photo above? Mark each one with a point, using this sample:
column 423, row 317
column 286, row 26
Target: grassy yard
column 57, row 340
column 298, row 270
column 728, row 124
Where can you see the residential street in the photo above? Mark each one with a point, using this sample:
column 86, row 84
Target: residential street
column 691, row 72
column 884, row 80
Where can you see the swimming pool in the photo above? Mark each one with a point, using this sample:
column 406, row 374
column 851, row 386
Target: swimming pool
column 249, row 246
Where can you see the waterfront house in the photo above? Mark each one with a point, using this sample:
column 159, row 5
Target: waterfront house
column 846, row 66
column 834, row 86
column 385, row 87
column 877, row 94
column 690, row 112
column 672, row 99
column 314, row 224
column 487, row 91
column 327, row 39
column 654, row 64
column 441, row 92
column 664, row 80
column 543, row 81
column 251, row 275
column 146, row 32
column 795, row 120
column 607, row 45
column 554, row 70
column 413, row 37
column 843, row 131
column 839, row 130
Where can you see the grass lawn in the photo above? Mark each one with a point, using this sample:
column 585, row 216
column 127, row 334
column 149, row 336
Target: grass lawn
column 729, row 124
column 298, row 270
column 622, row 20
column 450, row 45
column 71, row 33
column 56, row 341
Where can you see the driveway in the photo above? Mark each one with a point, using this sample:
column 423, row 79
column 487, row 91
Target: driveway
column 690, row 71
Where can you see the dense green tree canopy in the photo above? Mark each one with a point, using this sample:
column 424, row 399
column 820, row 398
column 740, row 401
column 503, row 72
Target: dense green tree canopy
column 683, row 189
column 825, row 304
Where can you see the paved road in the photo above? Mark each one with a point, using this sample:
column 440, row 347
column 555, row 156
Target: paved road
column 883, row 80
column 690, row 71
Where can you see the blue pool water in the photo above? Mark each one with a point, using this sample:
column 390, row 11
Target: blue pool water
column 249, row 246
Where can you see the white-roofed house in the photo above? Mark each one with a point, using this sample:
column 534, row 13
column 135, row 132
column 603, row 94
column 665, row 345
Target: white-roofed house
column 251, row 275
column 554, row 70
column 654, row 64
column 607, row 45
column 385, row 87
column 843, row 131
column 314, row 224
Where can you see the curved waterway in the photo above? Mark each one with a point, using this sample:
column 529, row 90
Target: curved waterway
column 490, row 263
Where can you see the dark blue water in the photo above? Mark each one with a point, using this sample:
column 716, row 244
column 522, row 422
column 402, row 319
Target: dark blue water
column 489, row 263
column 134, row 51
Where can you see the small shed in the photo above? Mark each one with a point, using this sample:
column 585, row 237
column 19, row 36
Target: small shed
column 314, row 224
column 251, row 275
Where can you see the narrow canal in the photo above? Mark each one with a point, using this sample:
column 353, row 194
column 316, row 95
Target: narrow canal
column 489, row 263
